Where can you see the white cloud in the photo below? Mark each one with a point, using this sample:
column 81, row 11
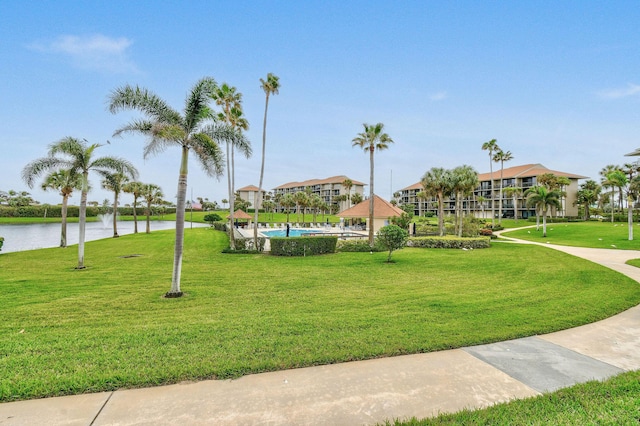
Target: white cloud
column 438, row 96
column 630, row 90
column 95, row 52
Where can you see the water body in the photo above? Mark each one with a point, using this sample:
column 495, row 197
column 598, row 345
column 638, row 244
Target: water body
column 45, row 235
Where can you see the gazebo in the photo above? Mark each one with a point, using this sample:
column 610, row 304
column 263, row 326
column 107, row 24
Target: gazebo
column 382, row 211
column 240, row 214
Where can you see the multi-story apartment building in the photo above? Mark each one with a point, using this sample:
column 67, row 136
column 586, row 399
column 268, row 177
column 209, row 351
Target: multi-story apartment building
column 328, row 189
column 488, row 191
column 249, row 193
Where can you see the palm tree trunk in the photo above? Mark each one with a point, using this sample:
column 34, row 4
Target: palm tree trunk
column 493, row 208
column 441, row 213
column 544, row 223
column 371, row 150
column 264, row 143
column 63, row 231
column 82, row 222
column 630, row 216
column 148, row 229
column 612, row 202
column 115, row 216
column 500, row 195
column 180, row 209
column 232, row 244
column 135, row 215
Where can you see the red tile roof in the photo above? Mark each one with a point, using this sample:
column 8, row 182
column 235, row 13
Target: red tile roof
column 312, row 182
column 381, row 209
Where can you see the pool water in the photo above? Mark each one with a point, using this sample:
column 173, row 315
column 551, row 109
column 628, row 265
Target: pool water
column 292, row 232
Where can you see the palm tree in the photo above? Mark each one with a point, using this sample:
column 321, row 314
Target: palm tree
column 115, row 182
column 373, row 138
column 302, row 201
column 75, row 156
column 288, row 201
column 191, row 132
column 588, row 194
column 616, row 179
column 437, row 182
column 65, row 182
column 633, row 190
column 480, row 199
column 513, row 192
column 135, row 189
column 347, row 184
column 271, row 87
column 464, row 181
column 356, row 198
column 491, row 146
column 152, row 194
column 542, row 198
column 231, row 102
column 501, row 156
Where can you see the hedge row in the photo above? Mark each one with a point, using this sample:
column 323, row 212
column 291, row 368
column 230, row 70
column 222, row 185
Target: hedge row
column 1, row 242
column 449, row 242
column 72, row 211
column 356, row 246
column 302, row 246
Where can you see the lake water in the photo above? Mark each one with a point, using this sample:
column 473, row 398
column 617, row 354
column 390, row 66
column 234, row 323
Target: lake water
column 44, row 235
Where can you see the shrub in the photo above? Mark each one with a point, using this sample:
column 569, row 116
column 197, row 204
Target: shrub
column 246, row 245
column 219, row 226
column 212, row 217
column 1, row 242
column 449, row 242
column 391, row 237
column 303, row 246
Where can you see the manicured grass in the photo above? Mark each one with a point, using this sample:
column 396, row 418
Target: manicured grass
column 66, row 331
column 613, row 402
column 28, row 220
column 583, row 234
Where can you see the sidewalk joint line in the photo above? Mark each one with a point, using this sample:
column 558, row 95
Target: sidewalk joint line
column 101, row 408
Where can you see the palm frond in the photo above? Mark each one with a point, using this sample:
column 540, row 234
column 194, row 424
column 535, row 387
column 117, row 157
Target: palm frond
column 37, row 167
column 155, row 146
column 135, row 126
column 197, row 103
column 145, row 101
column 115, row 164
column 208, row 153
column 223, row 134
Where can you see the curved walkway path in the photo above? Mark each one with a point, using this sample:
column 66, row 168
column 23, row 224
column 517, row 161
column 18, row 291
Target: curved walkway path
column 372, row 391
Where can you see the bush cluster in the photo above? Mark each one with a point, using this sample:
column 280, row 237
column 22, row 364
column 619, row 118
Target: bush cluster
column 1, row 242
column 246, row 245
column 72, row 211
column 356, row 246
column 449, row 242
column 302, row 246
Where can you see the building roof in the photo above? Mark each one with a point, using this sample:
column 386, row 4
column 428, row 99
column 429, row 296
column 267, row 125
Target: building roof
column 381, row 209
column 249, row 188
column 312, row 182
column 240, row 214
column 633, row 154
column 526, row 170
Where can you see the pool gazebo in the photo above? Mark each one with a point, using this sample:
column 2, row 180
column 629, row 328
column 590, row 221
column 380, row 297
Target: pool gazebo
column 382, row 212
column 241, row 215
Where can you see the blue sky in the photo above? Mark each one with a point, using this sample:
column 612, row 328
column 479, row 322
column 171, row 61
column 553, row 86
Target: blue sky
column 556, row 83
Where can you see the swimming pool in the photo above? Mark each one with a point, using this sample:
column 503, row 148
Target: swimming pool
column 293, row 232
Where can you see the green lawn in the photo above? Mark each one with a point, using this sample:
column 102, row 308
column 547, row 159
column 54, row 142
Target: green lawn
column 583, row 234
column 613, row 402
column 66, row 331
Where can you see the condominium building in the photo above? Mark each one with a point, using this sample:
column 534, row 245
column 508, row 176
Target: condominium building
column 488, row 191
column 330, row 189
column 249, row 193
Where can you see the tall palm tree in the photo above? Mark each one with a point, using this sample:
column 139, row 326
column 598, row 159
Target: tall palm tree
column 500, row 157
column 480, row 199
column 491, row 146
column 76, row 156
column 135, row 189
column 373, row 138
column 615, row 179
column 542, row 198
column 230, row 100
column 437, row 182
column 65, row 182
column 633, row 190
column 302, row 201
column 191, row 131
column 115, row 183
column 464, row 181
column 152, row 194
column 271, row 86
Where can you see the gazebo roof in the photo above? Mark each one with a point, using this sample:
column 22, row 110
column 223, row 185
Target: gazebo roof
column 382, row 209
column 240, row 214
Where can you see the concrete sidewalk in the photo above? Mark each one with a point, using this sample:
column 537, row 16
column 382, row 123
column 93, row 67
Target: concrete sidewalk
column 368, row 392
